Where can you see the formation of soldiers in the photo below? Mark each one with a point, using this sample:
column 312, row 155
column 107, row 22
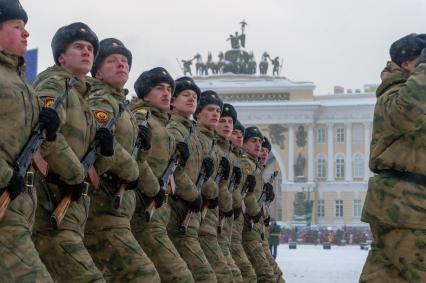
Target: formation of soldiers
column 165, row 188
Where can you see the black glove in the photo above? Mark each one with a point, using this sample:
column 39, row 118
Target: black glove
column 236, row 172
column 269, row 192
column 256, row 218
column 228, row 213
column 213, row 203
column 77, row 190
column 195, row 206
column 266, row 221
column 145, row 137
column 183, row 150
column 50, row 121
column 16, row 185
column 159, row 198
column 422, row 58
column 226, row 168
column 250, row 183
column 132, row 185
column 105, row 138
column 237, row 212
column 208, row 165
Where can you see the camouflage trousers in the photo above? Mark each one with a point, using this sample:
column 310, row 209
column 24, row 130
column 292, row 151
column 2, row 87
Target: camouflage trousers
column 153, row 238
column 242, row 261
column 188, row 244
column 397, row 255
column 216, row 258
column 66, row 257
column 225, row 246
column 258, row 259
column 277, row 271
column 120, row 257
column 20, row 260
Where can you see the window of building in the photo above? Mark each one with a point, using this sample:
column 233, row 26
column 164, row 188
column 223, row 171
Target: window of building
column 358, row 165
column 340, row 135
column 321, row 135
column 339, row 208
column 357, row 208
column 358, row 135
column 320, row 208
column 340, row 166
column 321, row 166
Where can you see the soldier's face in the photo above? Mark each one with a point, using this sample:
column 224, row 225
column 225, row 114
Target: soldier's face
column 13, row 37
column 159, row 96
column 253, row 146
column 185, row 103
column 114, row 70
column 264, row 154
column 77, row 58
column 224, row 127
column 409, row 66
column 237, row 138
column 209, row 116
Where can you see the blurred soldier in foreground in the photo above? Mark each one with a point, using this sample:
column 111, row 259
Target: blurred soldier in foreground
column 396, row 197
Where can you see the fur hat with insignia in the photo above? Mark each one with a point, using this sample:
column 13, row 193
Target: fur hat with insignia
column 149, row 79
column 229, row 111
column 185, row 83
column 239, row 126
column 266, row 144
column 252, row 132
column 407, row 48
column 108, row 47
column 70, row 33
column 209, row 97
column 12, row 10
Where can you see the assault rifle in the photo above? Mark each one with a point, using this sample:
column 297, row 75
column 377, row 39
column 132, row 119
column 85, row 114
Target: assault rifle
column 262, row 201
column 199, row 184
column 243, row 194
column 231, row 185
column 168, row 173
column 116, row 203
column 31, row 153
column 90, row 173
column 218, row 178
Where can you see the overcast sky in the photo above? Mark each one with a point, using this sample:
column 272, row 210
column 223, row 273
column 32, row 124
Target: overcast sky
column 328, row 42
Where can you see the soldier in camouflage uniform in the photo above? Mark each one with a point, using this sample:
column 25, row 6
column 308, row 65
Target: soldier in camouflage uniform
column 207, row 115
column 252, row 241
column 224, row 129
column 187, row 197
column 154, row 89
column 63, row 250
column 108, row 237
column 270, row 196
column 20, row 110
column 396, row 196
column 237, row 250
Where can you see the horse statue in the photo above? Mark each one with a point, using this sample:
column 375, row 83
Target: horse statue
column 210, row 65
column 200, row 67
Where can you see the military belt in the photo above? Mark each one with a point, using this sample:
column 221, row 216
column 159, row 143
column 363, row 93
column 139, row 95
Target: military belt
column 405, row 176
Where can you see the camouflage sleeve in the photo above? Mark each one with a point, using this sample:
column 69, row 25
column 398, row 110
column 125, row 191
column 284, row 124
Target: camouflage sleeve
column 6, row 173
column 225, row 197
column 210, row 189
column 250, row 201
column 58, row 154
column 121, row 163
column 148, row 182
column 185, row 188
column 405, row 105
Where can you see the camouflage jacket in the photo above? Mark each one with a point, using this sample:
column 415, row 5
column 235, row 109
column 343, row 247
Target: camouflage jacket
column 19, row 113
column 77, row 130
column 162, row 147
column 398, row 142
column 104, row 102
column 238, row 224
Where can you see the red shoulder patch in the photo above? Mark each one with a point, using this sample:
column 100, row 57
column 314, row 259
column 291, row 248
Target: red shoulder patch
column 101, row 116
column 48, row 101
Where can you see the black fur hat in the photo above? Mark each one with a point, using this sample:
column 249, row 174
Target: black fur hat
column 12, row 10
column 229, row 111
column 266, row 144
column 70, row 33
column 252, row 132
column 108, row 47
column 239, row 126
column 407, row 48
column 185, row 83
column 149, row 79
column 209, row 97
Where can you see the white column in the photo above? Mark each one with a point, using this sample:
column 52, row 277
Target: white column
column 290, row 153
column 366, row 150
column 348, row 158
column 311, row 160
column 330, row 153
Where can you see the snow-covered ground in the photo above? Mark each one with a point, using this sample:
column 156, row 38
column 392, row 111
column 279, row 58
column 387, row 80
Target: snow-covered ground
column 313, row 264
